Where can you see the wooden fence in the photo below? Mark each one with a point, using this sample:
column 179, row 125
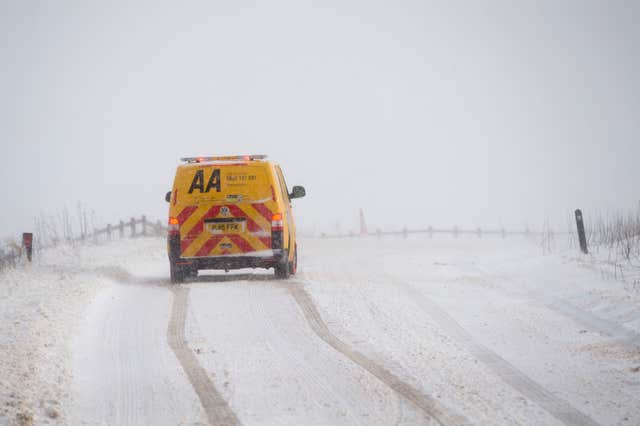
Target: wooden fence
column 133, row 228
column 455, row 232
column 142, row 227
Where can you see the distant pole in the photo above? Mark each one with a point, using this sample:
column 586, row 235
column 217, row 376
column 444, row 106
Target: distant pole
column 27, row 243
column 363, row 225
column 581, row 235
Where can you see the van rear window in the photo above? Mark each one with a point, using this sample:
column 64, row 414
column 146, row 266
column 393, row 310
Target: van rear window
column 223, row 184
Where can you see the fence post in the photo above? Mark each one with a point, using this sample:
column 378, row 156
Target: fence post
column 144, row 225
column 581, row 235
column 133, row 227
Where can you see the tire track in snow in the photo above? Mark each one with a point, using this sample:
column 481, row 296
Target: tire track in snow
column 430, row 406
column 506, row 371
column 217, row 410
column 618, row 332
column 291, row 358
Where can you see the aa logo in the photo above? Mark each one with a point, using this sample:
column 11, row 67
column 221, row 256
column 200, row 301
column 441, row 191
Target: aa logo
column 198, row 181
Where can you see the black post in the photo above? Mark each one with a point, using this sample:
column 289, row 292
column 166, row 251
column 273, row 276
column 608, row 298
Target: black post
column 144, row 225
column 581, row 235
column 27, row 243
column 133, row 227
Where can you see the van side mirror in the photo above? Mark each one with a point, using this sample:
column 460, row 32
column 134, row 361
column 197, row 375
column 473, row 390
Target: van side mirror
column 297, row 192
column 167, row 197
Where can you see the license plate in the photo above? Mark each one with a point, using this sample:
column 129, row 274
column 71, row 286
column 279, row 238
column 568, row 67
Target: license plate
column 226, row 227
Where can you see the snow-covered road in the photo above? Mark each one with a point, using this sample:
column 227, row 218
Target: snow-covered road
column 371, row 331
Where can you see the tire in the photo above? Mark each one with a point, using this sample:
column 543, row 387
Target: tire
column 282, row 269
column 293, row 265
column 177, row 273
column 192, row 272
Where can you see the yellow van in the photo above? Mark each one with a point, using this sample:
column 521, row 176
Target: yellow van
column 231, row 212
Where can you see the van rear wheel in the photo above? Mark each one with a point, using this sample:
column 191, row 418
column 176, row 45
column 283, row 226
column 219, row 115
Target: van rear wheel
column 192, row 272
column 293, row 265
column 177, row 273
column 282, row 269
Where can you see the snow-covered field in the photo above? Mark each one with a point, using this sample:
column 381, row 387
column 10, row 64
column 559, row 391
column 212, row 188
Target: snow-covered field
column 371, row 331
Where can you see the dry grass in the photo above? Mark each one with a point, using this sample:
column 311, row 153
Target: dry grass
column 614, row 242
column 618, row 234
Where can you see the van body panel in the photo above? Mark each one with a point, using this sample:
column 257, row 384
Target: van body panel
column 224, row 211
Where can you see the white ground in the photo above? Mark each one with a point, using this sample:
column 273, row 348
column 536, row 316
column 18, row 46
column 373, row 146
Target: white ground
column 371, row 331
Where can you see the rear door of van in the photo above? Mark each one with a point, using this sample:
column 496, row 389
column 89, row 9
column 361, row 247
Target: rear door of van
column 224, row 208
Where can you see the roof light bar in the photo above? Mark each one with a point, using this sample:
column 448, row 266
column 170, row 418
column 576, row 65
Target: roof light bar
column 224, row 158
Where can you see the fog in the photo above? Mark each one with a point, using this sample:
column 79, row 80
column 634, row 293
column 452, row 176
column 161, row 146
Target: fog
column 472, row 114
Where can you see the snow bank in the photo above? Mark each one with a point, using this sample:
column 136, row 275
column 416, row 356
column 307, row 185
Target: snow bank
column 550, row 316
column 41, row 306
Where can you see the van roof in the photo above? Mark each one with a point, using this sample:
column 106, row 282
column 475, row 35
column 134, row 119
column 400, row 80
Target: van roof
column 225, row 158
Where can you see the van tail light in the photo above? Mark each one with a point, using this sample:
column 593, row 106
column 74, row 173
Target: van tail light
column 174, row 226
column 277, row 228
column 276, row 222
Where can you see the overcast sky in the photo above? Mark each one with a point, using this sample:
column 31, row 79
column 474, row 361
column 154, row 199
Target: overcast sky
column 422, row 113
